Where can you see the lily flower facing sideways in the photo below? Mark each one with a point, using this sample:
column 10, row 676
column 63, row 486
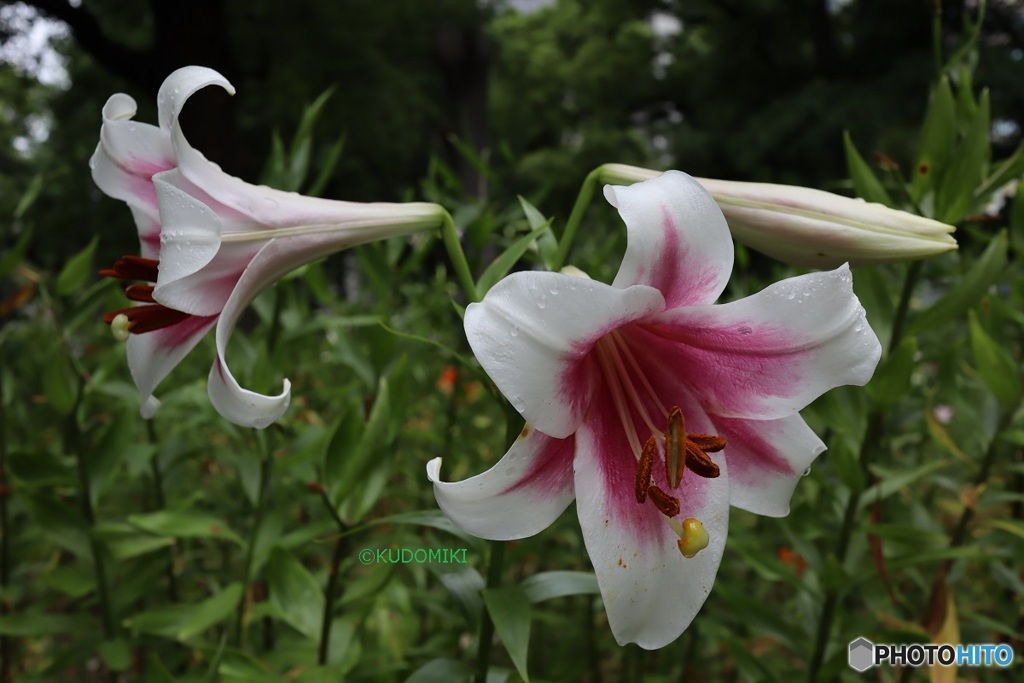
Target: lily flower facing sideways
column 652, row 407
column 211, row 242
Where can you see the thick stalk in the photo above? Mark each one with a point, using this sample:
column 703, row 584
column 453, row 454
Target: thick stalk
column 6, row 654
column 573, row 224
column 333, row 593
column 251, row 546
column 483, row 647
column 870, row 445
column 161, row 504
column 74, row 444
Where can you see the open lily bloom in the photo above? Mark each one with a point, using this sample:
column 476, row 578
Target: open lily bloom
column 211, row 242
column 652, row 407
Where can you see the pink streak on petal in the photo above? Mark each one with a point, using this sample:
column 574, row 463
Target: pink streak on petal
column 550, row 473
column 750, row 454
column 176, row 335
column 144, row 191
column 741, row 358
column 678, row 278
column 152, row 240
column 146, row 167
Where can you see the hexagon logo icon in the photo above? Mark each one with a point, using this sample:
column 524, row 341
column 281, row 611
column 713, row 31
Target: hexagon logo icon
column 862, row 654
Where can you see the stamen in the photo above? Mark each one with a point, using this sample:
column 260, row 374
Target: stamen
column 618, row 399
column 666, row 504
column 628, row 354
column 143, row 319
column 143, row 293
column 699, row 463
column 133, row 268
column 675, row 448
column 613, row 351
column 644, row 467
column 709, row 443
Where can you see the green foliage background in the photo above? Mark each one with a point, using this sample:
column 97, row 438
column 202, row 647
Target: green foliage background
column 187, row 549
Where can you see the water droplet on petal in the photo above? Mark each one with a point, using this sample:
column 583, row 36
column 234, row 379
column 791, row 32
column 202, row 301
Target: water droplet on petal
column 807, row 472
column 514, row 331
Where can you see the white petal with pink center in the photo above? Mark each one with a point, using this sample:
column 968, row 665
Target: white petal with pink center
column 676, row 408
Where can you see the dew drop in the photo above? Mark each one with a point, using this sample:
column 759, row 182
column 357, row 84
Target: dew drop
column 518, row 403
column 790, row 296
column 807, row 472
column 514, row 331
column 542, row 301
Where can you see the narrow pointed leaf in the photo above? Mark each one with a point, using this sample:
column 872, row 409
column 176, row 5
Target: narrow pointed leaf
column 937, row 135
column 995, row 365
column 966, row 293
column 865, row 182
column 295, row 593
column 77, row 270
column 509, row 608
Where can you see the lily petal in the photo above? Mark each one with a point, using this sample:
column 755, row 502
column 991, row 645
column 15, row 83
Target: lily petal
column 153, row 355
column 767, row 458
column 181, row 85
column 520, row 496
column 650, row 591
column 678, row 240
column 533, row 331
column 769, row 355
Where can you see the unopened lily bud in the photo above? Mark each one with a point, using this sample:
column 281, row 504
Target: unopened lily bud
column 813, row 228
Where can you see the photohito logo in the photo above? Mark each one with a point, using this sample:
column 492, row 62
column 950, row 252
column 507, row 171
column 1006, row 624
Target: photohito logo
column 864, row 654
column 412, row 555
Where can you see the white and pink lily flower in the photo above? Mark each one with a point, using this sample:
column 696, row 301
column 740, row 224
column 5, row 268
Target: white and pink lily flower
column 211, row 242
column 652, row 407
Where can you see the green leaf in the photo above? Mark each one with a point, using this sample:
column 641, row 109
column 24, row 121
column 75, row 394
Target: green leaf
column 116, row 654
column 546, row 243
column 865, row 182
column 937, row 136
column 295, row 592
column 77, row 270
column 238, row 667
column 465, row 585
column 995, row 365
column 353, row 468
column 503, row 263
column 104, row 458
column 891, row 481
column 183, row 622
column 342, row 447
column 441, row 670
column 185, row 524
column 28, row 198
column 125, row 541
column 59, row 383
column 39, row 468
column 36, row 625
column 12, row 257
column 967, row 168
column 966, row 293
column 548, row 585
column 891, row 381
column 509, row 608
column 62, row 523
column 156, row 672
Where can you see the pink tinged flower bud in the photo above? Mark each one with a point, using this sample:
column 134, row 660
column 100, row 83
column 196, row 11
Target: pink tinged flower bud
column 813, row 228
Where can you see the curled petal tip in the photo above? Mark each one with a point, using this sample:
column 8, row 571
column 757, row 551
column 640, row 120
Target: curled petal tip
column 434, row 470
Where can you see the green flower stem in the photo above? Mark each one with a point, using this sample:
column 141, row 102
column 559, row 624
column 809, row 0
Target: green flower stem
column 451, row 242
column 573, row 224
column 161, row 504
column 483, row 648
column 334, row 589
column 73, row 441
column 5, row 535
column 251, row 546
column 869, row 445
